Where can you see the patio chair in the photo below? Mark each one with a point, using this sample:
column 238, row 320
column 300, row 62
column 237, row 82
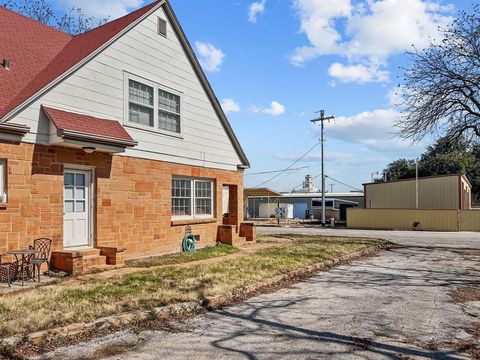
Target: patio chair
column 28, row 268
column 43, row 246
column 7, row 272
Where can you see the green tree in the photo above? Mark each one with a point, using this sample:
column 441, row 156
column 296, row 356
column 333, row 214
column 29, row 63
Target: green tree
column 73, row 21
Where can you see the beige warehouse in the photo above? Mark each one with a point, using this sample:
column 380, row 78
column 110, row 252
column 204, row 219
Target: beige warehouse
column 434, row 192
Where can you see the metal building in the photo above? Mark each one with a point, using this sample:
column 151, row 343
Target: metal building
column 433, row 192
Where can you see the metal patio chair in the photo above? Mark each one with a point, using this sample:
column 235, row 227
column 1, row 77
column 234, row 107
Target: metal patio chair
column 43, row 246
column 7, row 272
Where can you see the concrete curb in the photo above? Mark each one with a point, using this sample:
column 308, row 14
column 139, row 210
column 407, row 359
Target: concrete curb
column 187, row 308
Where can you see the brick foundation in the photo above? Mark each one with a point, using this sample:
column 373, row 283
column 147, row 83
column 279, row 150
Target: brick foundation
column 114, row 256
column 247, row 230
column 132, row 201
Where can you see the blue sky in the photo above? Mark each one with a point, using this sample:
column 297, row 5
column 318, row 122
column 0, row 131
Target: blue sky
column 274, row 63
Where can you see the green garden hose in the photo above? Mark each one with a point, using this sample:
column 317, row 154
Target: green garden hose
column 189, row 243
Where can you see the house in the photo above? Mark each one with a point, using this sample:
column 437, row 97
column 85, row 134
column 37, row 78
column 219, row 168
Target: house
column 432, row 192
column 112, row 142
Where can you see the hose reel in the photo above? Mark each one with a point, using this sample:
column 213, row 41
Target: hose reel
column 189, row 242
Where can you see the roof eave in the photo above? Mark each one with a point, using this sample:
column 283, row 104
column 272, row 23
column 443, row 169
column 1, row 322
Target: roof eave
column 14, row 129
column 105, row 140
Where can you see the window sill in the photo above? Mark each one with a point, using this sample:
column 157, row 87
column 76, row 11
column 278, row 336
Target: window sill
column 179, row 222
column 3, row 206
column 153, row 130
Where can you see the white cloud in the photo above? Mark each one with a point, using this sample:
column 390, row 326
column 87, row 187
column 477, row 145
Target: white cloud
column 366, row 33
column 357, row 73
column 211, row 58
column 104, row 8
column 255, row 9
column 373, row 129
column 394, row 96
column 275, row 109
column 317, row 23
column 230, row 106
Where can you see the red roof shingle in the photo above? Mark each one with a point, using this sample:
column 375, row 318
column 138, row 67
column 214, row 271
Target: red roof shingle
column 39, row 54
column 85, row 124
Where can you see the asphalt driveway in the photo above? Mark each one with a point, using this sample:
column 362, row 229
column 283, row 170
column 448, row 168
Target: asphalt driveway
column 392, row 306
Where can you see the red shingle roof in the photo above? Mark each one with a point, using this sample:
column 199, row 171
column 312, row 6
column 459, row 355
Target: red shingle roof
column 85, row 124
column 39, row 54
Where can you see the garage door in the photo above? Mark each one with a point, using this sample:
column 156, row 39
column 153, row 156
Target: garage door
column 299, row 210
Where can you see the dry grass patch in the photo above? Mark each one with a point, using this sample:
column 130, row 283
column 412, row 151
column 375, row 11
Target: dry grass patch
column 464, row 294
column 182, row 258
column 54, row 306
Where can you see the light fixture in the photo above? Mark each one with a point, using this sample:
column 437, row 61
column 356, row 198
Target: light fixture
column 89, row 149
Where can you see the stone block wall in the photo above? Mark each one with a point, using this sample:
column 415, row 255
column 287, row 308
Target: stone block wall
column 132, row 200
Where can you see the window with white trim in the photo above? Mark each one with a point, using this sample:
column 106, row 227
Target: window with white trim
column 151, row 106
column 140, row 109
column 192, row 198
column 168, row 111
column 3, row 181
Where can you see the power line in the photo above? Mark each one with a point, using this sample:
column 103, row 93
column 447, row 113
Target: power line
column 338, row 181
column 276, row 171
column 288, row 168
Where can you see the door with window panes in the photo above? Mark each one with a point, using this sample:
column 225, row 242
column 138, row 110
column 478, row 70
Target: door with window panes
column 76, row 212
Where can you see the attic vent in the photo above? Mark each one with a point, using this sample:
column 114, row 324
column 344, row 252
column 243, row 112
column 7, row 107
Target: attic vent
column 162, row 27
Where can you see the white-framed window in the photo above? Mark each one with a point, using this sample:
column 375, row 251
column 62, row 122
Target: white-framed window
column 140, row 103
column 168, row 111
column 152, row 106
column 192, row 198
column 3, row 181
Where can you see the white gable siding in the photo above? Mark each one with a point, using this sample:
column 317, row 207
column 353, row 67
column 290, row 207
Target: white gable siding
column 98, row 88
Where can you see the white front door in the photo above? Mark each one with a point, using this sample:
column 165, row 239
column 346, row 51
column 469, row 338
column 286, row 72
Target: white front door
column 76, row 208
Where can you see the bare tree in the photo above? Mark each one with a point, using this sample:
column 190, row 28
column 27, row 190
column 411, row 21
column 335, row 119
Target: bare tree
column 441, row 87
column 73, row 21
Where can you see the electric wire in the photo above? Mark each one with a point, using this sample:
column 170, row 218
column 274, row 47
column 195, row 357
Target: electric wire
column 335, row 180
column 288, row 168
column 338, row 181
column 276, row 171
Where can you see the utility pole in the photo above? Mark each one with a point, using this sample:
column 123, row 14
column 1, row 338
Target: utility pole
column 322, row 120
column 416, row 183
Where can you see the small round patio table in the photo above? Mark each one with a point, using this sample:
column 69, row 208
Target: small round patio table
column 23, row 254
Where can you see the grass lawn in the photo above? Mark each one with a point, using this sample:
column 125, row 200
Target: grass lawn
column 59, row 305
column 182, row 258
